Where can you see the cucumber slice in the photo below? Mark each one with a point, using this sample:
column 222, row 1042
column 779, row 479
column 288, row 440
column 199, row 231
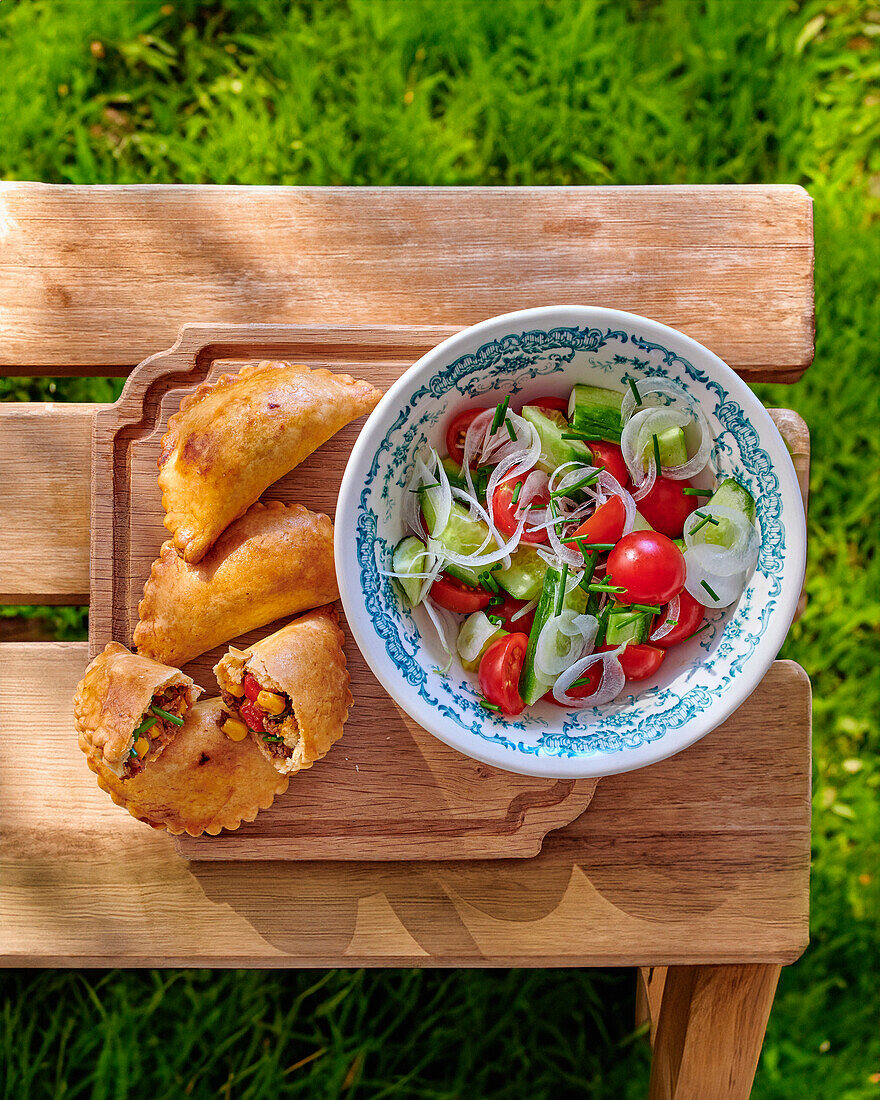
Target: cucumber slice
column 461, row 534
column 596, row 411
column 673, row 450
column 554, row 449
column 627, row 626
column 454, row 472
column 524, row 577
column 731, row 494
column 409, row 557
column 640, row 523
column 532, row 686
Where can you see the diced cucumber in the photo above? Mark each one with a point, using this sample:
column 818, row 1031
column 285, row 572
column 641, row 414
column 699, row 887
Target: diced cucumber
column 473, row 629
column 640, row 523
column 627, row 626
column 454, row 472
column 409, row 557
column 680, row 543
column 730, row 494
column 461, row 534
column 524, row 577
column 596, row 411
column 554, row 449
column 531, row 686
column 673, row 450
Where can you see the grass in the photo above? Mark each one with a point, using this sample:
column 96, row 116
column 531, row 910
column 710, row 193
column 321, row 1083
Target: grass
column 557, row 92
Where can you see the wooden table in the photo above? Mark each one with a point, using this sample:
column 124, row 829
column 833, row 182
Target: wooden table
column 695, row 870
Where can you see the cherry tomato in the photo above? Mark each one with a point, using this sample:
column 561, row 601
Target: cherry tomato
column 457, row 430
column 252, row 716
column 582, row 691
column 505, row 510
column 666, row 507
column 550, row 404
column 638, row 661
column 648, row 565
column 499, row 673
column 252, row 686
column 455, row 595
column 509, row 607
column 610, row 456
column 690, row 615
column 604, row 525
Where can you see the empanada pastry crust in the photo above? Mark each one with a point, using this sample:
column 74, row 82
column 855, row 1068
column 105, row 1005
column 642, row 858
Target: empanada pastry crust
column 305, row 661
column 275, row 561
column 234, row 437
column 202, row 783
column 117, row 688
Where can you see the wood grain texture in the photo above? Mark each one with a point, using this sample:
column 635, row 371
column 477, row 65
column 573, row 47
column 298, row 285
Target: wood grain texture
column 703, row 858
column 45, row 459
column 95, row 278
column 650, row 981
column 712, row 1023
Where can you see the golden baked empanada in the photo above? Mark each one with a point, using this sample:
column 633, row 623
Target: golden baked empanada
column 234, row 437
column 127, row 709
column 290, row 690
column 276, row 560
column 202, row 783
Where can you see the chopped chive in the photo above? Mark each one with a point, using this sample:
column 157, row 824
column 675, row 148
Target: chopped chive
column 560, row 599
column 488, row 580
column 132, row 751
column 700, row 525
column 273, row 737
column 585, row 437
column 164, row 714
column 588, row 480
column 516, row 491
column 603, row 626
column 656, row 451
column 635, row 390
column 604, row 588
column 703, row 515
column 147, row 723
column 489, row 706
column 598, row 545
column 712, row 593
column 580, row 682
column 436, row 485
column 500, row 413
column 688, row 491
column 496, row 567
column 671, row 622
column 705, row 626
column 495, row 620
column 510, row 429
column 653, row 608
column 496, row 601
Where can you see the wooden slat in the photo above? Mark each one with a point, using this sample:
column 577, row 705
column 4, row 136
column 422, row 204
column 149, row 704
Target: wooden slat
column 703, row 858
column 100, row 277
column 45, row 463
column 44, row 471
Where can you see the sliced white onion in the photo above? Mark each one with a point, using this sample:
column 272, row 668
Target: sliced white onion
column 475, row 631
column 738, row 554
column 566, row 554
column 535, row 485
column 611, row 487
column 649, row 386
column 524, row 610
column 648, row 484
column 609, row 687
column 637, row 432
column 473, row 445
column 669, row 620
column 685, row 405
column 445, row 623
column 562, row 641
column 727, row 588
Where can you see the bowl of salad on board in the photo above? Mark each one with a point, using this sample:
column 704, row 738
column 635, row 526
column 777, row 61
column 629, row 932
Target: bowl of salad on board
column 569, row 541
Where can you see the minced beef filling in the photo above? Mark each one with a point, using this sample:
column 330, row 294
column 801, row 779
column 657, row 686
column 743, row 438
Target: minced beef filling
column 272, row 723
column 173, row 700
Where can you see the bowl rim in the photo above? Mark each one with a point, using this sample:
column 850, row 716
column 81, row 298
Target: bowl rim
column 598, row 764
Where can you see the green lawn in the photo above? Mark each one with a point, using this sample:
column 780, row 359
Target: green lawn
column 260, row 91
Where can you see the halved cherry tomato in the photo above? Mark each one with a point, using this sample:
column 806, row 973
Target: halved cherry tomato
column 252, row 716
column 690, row 615
column 604, row 525
column 638, row 661
column 582, row 691
column 252, row 686
column 509, row 607
column 610, row 456
column 648, row 565
column 666, row 507
column 499, row 673
column 551, row 404
column 457, row 430
column 505, row 510
column 455, row 595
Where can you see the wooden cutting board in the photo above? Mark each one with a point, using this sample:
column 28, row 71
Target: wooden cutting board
column 387, row 790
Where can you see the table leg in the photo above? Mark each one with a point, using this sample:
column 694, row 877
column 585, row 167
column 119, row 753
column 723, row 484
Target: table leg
column 650, row 981
column 710, row 1031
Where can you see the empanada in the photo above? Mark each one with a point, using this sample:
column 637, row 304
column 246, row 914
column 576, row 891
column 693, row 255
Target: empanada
column 127, row 709
column 202, row 783
column 234, row 437
column 290, row 690
column 276, row 560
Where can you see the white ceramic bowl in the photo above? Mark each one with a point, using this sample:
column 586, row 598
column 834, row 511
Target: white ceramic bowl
column 540, row 351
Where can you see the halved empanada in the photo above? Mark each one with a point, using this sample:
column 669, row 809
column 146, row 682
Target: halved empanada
column 291, row 690
column 202, row 783
column 127, row 709
column 276, row 560
column 234, row 437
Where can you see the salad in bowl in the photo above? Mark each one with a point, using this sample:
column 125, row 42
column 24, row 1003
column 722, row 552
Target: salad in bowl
column 579, row 541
